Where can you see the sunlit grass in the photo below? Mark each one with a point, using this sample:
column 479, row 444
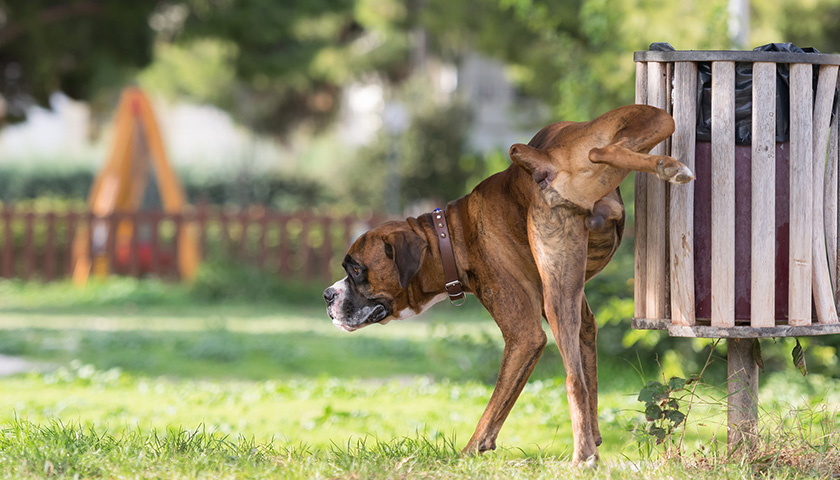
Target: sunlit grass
column 143, row 381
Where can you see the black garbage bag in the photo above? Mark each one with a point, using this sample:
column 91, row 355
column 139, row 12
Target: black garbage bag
column 743, row 94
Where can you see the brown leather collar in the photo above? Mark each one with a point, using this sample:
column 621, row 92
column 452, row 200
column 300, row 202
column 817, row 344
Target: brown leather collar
column 447, row 257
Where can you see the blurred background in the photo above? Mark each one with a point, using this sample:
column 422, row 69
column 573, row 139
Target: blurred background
column 289, row 127
column 307, row 104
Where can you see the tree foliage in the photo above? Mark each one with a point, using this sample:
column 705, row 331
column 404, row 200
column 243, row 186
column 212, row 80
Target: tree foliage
column 291, row 58
column 276, row 65
column 79, row 47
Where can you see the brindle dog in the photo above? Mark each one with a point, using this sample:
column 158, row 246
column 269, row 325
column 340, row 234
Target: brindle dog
column 511, row 251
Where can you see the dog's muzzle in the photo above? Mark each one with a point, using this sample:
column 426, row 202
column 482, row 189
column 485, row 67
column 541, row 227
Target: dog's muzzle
column 349, row 317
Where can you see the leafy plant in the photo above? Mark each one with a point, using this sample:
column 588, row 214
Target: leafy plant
column 662, row 407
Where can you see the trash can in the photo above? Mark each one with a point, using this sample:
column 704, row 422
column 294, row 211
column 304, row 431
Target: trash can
column 750, row 240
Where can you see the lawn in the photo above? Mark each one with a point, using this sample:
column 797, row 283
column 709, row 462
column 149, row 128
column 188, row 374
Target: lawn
column 137, row 379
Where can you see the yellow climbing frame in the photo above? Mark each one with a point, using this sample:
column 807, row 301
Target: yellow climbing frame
column 120, row 186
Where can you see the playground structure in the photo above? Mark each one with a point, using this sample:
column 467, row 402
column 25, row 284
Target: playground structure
column 742, row 252
column 137, row 175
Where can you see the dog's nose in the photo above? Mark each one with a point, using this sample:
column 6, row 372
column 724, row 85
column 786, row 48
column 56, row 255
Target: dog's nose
column 329, row 295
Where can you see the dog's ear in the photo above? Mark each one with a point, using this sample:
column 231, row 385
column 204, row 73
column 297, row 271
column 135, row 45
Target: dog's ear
column 536, row 162
column 407, row 250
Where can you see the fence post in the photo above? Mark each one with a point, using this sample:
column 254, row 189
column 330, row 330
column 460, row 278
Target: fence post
column 49, row 247
column 28, row 246
column 8, row 243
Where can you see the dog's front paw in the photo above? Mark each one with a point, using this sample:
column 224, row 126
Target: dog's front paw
column 586, row 461
column 479, row 446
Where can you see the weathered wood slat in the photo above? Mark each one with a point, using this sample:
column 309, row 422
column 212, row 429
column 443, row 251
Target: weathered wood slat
column 8, row 268
column 657, row 232
column 707, row 331
column 752, row 332
column 801, row 151
column 50, row 253
column 723, row 194
column 682, row 197
column 28, row 246
column 820, row 276
column 72, row 220
column 640, row 226
column 763, row 206
column 742, row 394
column 831, row 207
column 326, row 248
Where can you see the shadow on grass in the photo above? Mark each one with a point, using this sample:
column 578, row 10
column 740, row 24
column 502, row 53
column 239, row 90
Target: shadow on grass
column 223, row 354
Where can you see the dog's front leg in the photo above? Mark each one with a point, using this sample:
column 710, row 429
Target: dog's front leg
column 559, row 244
column 517, row 313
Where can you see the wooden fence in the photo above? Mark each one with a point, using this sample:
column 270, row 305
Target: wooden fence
column 38, row 245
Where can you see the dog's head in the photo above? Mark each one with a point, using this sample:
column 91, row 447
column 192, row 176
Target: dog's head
column 379, row 265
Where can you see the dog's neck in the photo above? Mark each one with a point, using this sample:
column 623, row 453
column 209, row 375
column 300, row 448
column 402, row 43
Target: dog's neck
column 434, row 284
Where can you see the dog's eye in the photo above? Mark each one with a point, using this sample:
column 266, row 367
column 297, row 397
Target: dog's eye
column 356, row 271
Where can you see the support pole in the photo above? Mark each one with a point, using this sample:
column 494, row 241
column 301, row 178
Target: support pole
column 742, row 383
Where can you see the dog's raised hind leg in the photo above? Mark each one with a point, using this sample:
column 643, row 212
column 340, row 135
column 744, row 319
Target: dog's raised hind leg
column 663, row 166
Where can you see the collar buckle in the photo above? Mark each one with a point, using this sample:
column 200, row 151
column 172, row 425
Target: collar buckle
column 456, row 294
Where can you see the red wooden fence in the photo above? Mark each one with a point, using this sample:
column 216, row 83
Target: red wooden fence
column 302, row 246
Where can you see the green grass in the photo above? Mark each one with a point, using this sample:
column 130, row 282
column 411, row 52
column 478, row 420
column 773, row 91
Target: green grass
column 71, row 451
column 140, row 379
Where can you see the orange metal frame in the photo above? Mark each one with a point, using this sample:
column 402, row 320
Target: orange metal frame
column 120, row 185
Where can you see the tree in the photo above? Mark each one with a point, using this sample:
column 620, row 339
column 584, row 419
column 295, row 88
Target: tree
column 290, row 59
column 78, row 47
column 575, row 56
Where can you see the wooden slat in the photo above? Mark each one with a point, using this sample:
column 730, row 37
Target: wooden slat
column 657, row 232
column 640, row 226
column 72, row 220
column 245, row 222
column 306, row 250
column 831, row 203
column 326, row 248
column 723, row 194
column 28, row 246
column 742, row 395
column 706, row 331
column 285, row 245
column 8, row 268
column 820, row 277
column 262, row 254
column 137, row 224
column 50, row 253
column 801, row 139
column 154, row 243
column 763, row 241
column 682, row 196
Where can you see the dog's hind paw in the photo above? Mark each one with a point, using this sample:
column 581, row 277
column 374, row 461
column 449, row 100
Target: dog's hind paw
column 674, row 172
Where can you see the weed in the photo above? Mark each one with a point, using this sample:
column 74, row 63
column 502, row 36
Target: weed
column 662, row 408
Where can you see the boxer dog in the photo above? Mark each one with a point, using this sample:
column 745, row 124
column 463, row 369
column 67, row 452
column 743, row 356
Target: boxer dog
column 517, row 242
